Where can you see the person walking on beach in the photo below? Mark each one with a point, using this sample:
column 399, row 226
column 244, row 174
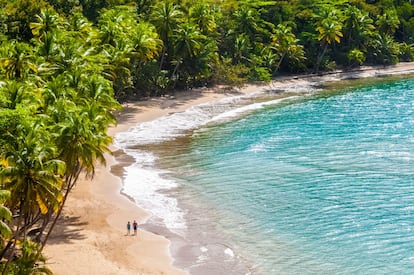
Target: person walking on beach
column 128, row 228
column 135, row 226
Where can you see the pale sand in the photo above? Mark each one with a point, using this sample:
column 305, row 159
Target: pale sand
column 91, row 235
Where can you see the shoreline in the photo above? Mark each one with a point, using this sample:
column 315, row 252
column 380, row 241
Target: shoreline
column 90, row 236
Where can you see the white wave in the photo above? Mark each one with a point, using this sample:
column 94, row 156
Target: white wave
column 144, row 184
column 174, row 125
column 243, row 110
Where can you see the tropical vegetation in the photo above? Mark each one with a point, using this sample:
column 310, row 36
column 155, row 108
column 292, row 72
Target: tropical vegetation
column 65, row 65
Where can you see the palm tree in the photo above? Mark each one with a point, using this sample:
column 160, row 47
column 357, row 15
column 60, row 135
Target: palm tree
column 71, row 56
column 82, row 139
column 246, row 22
column 33, row 172
column 242, row 48
column 357, row 26
column 188, row 42
column 286, row 45
column 17, row 60
column 97, row 92
column 204, row 17
column 79, row 126
column 166, row 16
column 147, row 45
column 33, row 176
column 47, row 47
column 13, row 93
column 387, row 23
column 330, row 32
column 47, row 21
column 118, row 30
column 80, row 27
column 383, row 49
column 115, row 25
column 59, row 89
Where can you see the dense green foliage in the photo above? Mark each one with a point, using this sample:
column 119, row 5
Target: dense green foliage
column 153, row 46
column 57, row 100
column 65, row 65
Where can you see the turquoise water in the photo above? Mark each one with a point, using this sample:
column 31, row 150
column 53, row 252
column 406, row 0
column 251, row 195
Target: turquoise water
column 321, row 184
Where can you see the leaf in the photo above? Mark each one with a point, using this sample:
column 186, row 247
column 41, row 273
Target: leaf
column 42, row 206
column 5, row 213
column 4, row 230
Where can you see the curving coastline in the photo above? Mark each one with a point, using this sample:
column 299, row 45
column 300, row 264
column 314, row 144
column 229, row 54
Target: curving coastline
column 90, row 238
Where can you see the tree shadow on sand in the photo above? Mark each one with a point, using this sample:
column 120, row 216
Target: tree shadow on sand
column 67, row 230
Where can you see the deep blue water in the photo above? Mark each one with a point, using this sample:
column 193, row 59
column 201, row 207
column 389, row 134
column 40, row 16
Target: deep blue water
column 322, row 184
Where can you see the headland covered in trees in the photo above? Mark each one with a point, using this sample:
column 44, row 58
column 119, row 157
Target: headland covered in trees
column 66, row 65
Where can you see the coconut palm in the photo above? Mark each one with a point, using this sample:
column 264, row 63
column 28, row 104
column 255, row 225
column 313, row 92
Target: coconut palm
column 204, row 17
column 32, row 171
column 80, row 27
column 115, row 25
column 118, row 29
column 57, row 90
column 166, row 16
column 82, row 139
column 383, row 49
column 242, row 48
column 330, row 32
column 71, row 56
column 146, row 43
column 47, row 21
column 286, row 45
column 12, row 94
column 246, row 22
column 79, row 126
column 33, row 176
column 188, row 42
column 98, row 90
column 387, row 23
column 17, row 60
column 47, row 47
column 357, row 26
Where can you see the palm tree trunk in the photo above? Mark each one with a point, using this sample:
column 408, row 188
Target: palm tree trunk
column 6, row 266
column 13, row 243
column 320, row 57
column 280, row 61
column 175, row 71
column 7, row 247
column 164, row 50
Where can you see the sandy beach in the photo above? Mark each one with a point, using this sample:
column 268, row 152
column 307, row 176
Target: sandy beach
column 91, row 238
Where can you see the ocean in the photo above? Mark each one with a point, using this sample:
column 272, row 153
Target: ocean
column 311, row 180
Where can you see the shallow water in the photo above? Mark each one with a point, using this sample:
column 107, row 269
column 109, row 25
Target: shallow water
column 322, row 183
